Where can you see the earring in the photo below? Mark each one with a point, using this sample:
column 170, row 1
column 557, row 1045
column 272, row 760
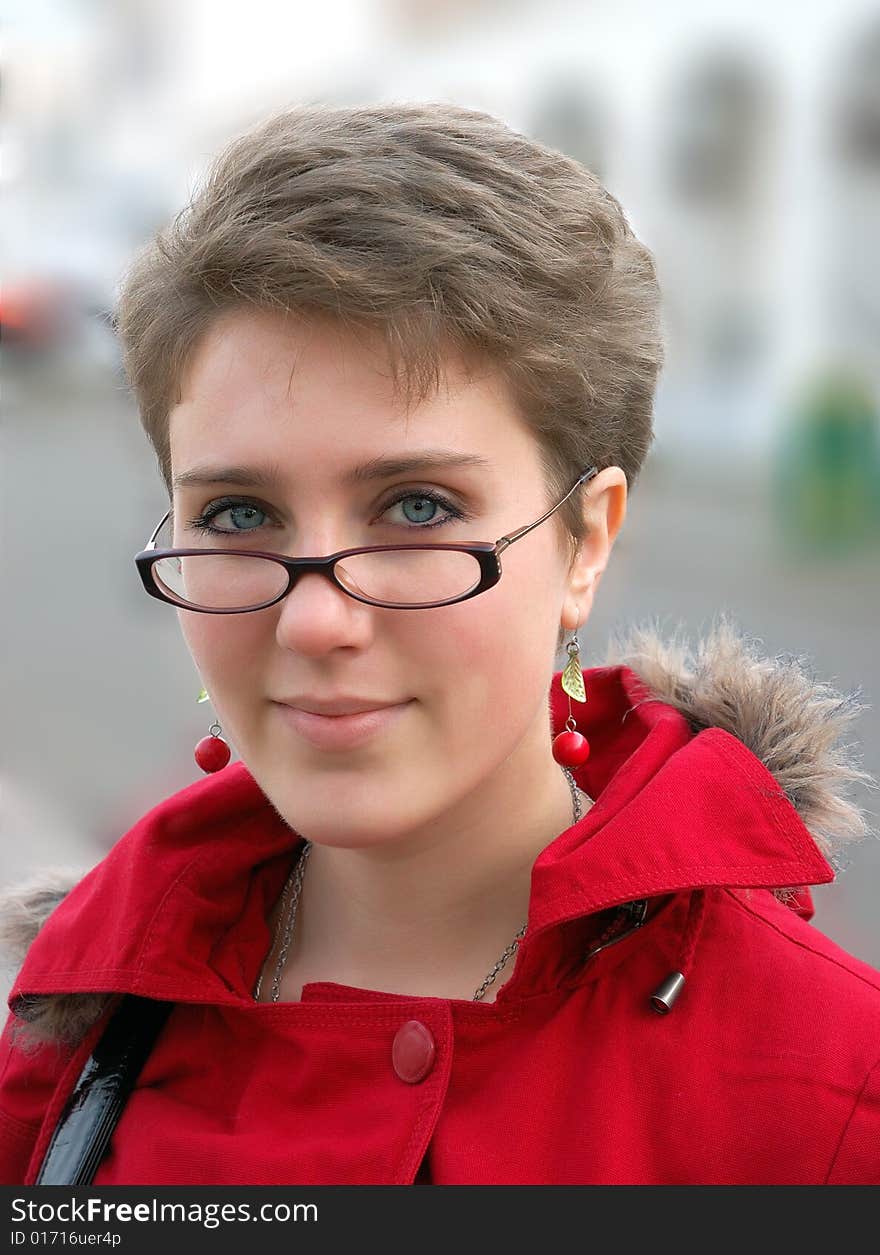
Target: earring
column 570, row 748
column 212, row 753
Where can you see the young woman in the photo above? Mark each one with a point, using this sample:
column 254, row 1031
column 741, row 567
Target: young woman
column 454, row 916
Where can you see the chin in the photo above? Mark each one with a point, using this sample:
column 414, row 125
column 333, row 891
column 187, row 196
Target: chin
column 356, row 814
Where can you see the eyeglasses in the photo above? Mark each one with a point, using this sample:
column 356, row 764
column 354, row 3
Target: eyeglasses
column 398, row 577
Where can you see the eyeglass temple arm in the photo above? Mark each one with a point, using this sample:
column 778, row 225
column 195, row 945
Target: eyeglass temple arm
column 151, row 543
column 504, row 541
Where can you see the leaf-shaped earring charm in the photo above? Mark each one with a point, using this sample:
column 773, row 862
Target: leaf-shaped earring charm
column 203, row 696
column 572, row 676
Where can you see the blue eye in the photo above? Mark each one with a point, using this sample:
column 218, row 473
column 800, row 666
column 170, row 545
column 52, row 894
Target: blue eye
column 431, row 500
column 249, row 512
column 244, row 510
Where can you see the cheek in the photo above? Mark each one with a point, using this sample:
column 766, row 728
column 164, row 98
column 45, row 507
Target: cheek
column 492, row 652
column 222, row 648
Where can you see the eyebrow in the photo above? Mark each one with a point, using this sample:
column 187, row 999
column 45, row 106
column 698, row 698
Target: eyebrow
column 376, row 468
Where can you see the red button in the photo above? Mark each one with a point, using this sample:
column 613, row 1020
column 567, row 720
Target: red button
column 413, row 1052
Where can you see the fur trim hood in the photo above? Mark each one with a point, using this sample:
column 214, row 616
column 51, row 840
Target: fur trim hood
column 790, row 721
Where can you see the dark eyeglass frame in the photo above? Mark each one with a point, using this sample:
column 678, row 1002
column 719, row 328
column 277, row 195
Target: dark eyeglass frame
column 488, row 555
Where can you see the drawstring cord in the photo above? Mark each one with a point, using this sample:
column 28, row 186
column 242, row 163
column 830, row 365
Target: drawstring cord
column 664, row 996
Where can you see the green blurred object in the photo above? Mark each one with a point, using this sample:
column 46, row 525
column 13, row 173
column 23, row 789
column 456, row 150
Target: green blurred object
column 826, row 470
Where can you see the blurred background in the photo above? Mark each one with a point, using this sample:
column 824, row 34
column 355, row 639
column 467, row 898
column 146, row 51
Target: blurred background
column 744, row 142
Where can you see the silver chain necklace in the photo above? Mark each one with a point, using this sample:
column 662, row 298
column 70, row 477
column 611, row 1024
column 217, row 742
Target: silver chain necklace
column 293, row 888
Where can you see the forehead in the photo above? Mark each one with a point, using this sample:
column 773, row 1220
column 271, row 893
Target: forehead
column 262, row 386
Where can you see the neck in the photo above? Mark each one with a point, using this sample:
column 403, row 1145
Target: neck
column 431, row 913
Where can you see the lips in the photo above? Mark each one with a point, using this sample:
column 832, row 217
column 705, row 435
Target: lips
column 338, row 707
column 341, row 732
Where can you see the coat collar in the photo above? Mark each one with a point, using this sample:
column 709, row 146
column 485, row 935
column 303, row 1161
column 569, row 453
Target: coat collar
column 675, row 809
column 718, row 768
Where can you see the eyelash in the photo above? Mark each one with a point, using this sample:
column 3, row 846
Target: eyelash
column 203, row 522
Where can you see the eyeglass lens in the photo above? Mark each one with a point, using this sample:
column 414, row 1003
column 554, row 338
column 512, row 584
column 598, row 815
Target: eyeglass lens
column 408, row 576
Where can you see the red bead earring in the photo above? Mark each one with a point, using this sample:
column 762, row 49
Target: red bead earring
column 570, row 748
column 212, row 753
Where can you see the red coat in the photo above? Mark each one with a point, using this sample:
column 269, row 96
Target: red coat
column 766, row 1069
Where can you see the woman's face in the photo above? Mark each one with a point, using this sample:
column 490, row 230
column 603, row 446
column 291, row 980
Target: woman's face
column 302, row 405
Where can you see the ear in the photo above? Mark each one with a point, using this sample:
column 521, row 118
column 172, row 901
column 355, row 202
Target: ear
column 604, row 512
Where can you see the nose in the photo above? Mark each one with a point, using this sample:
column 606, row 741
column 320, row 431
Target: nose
column 316, row 617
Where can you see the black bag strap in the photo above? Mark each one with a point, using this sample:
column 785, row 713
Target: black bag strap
column 91, row 1113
